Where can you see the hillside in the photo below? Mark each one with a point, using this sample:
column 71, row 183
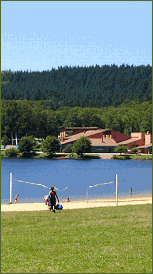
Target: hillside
column 80, row 86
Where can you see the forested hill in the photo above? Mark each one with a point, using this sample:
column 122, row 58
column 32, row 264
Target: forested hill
column 80, row 86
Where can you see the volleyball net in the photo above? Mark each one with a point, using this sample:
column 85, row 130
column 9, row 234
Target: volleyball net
column 46, row 187
column 116, row 185
column 34, row 191
column 39, row 185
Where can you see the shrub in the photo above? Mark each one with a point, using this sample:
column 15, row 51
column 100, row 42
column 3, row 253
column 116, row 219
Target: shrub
column 37, row 146
column 126, row 157
column 12, row 152
column 121, row 157
column 134, row 149
column 74, row 156
column 120, row 149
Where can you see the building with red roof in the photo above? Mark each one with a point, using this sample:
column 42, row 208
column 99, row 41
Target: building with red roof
column 105, row 140
column 102, row 140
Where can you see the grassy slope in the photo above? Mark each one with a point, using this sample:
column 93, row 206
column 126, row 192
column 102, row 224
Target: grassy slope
column 98, row 240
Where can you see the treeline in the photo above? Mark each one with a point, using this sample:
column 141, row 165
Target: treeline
column 93, row 87
column 38, row 119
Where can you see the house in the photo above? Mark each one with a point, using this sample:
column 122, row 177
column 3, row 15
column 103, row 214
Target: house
column 147, row 147
column 102, row 140
column 140, row 140
column 136, row 139
column 105, row 140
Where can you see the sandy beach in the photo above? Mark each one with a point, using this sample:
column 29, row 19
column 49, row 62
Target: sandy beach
column 139, row 200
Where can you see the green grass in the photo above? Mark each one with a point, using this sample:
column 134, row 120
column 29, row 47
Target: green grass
column 86, row 156
column 120, row 157
column 2, row 153
column 134, row 157
column 141, row 157
column 97, row 240
column 92, row 156
column 45, row 156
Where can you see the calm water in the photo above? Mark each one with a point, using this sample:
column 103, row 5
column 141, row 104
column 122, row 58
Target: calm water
column 77, row 175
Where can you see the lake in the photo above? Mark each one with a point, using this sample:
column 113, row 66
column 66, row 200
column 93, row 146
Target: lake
column 77, row 175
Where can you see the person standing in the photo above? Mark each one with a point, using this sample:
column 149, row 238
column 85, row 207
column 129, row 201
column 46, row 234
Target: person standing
column 131, row 191
column 52, row 199
column 16, row 199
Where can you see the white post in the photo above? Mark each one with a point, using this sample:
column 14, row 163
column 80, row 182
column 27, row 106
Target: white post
column 10, row 187
column 87, row 195
column 16, row 138
column 116, row 190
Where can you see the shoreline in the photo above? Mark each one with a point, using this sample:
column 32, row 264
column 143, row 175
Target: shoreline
column 82, row 204
column 95, row 155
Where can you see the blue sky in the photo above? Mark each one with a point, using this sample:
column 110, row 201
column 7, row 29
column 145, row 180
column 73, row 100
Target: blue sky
column 41, row 35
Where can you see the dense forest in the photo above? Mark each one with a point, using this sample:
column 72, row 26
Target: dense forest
column 37, row 118
column 38, row 103
column 85, row 87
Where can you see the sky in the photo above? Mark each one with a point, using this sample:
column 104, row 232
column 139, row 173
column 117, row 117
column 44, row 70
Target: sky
column 41, row 35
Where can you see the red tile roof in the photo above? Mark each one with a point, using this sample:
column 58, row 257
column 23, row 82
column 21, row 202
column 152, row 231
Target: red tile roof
column 86, row 134
column 94, row 141
column 126, row 142
column 146, row 146
column 106, row 142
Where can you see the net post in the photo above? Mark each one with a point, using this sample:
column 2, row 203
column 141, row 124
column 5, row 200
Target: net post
column 87, row 195
column 116, row 181
column 10, row 188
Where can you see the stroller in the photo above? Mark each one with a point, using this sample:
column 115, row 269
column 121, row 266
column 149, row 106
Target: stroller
column 57, row 207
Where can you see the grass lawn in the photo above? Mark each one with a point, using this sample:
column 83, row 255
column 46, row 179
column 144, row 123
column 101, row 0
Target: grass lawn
column 97, row 240
column 86, row 156
column 146, row 157
column 2, row 153
column 134, row 157
column 45, row 156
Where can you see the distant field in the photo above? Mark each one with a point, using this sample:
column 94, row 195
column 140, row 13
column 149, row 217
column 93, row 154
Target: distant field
column 97, row 240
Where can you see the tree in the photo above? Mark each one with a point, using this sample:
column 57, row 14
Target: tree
column 82, row 86
column 82, row 145
column 5, row 141
column 120, row 149
column 50, row 145
column 26, row 145
column 72, row 121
